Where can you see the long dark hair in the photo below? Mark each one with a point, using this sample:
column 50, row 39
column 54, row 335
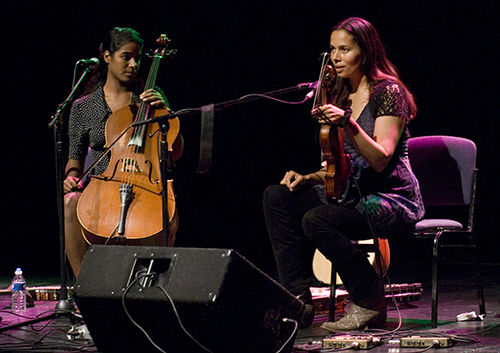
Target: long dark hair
column 375, row 64
column 113, row 41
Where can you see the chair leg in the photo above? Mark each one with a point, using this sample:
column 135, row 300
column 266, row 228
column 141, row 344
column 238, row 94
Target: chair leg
column 435, row 274
column 479, row 284
column 435, row 262
column 333, row 300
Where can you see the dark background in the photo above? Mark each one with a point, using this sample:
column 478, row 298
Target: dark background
column 447, row 52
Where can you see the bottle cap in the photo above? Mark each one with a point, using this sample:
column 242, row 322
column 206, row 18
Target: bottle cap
column 18, row 271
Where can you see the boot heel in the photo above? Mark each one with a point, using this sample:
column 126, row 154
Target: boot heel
column 377, row 322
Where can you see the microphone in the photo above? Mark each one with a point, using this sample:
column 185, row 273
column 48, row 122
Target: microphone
column 310, row 85
column 92, row 63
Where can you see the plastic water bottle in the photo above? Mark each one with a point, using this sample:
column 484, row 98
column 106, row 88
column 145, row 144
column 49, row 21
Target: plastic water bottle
column 18, row 292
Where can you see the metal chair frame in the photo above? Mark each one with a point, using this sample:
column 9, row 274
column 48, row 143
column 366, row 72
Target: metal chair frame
column 446, row 228
column 449, row 231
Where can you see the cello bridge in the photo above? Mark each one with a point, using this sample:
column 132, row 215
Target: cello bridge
column 130, row 165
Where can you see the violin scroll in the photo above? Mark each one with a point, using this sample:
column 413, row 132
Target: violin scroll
column 325, row 80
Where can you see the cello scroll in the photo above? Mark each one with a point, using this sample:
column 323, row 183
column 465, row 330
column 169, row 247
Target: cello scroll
column 124, row 204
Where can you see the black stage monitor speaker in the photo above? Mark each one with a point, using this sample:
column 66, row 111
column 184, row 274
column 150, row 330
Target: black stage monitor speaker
column 223, row 301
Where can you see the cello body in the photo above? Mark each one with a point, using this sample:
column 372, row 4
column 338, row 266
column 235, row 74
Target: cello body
column 99, row 207
column 128, row 200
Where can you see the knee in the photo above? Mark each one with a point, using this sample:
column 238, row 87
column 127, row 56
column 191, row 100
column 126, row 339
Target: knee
column 70, row 203
column 316, row 226
column 310, row 224
column 274, row 194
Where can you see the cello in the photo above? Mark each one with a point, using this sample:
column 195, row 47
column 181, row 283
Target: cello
column 331, row 138
column 124, row 205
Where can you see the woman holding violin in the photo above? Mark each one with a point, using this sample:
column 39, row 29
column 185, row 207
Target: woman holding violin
column 371, row 108
column 114, row 85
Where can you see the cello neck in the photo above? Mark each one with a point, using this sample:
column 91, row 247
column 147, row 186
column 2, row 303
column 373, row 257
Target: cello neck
column 139, row 133
column 153, row 71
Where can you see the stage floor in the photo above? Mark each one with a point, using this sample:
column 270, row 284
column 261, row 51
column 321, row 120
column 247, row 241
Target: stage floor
column 457, row 296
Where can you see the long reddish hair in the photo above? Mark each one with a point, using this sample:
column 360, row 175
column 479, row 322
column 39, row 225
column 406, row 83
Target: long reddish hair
column 375, row 64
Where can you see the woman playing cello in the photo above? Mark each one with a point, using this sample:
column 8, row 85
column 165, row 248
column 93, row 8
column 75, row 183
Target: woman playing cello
column 115, row 85
column 385, row 196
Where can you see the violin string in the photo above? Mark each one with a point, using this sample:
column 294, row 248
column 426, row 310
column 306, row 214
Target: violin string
column 325, row 57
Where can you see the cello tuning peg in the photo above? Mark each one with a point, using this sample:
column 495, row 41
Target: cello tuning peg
column 171, row 54
column 163, row 41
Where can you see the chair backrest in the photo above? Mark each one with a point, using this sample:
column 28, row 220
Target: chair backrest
column 445, row 168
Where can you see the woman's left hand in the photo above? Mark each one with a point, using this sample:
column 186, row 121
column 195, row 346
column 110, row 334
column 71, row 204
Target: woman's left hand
column 328, row 114
column 154, row 98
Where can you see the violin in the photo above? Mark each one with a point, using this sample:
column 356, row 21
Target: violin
column 331, row 138
column 124, row 205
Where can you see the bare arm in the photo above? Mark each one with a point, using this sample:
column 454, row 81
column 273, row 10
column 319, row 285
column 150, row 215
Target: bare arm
column 73, row 172
column 293, row 180
column 377, row 151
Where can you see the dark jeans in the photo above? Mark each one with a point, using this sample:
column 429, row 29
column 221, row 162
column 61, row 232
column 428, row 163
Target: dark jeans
column 299, row 222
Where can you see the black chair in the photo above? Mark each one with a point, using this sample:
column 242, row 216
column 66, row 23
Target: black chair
column 445, row 167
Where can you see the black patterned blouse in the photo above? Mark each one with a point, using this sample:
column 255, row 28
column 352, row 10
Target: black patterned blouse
column 391, row 198
column 87, row 123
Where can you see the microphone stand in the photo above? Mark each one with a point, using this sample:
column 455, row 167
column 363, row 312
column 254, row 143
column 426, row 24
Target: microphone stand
column 165, row 164
column 165, row 175
column 227, row 104
column 63, row 306
column 163, row 123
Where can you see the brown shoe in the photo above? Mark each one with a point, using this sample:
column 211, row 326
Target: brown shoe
column 358, row 318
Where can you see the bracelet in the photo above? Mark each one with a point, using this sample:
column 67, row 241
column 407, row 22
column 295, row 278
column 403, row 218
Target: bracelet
column 347, row 116
column 319, row 177
column 72, row 169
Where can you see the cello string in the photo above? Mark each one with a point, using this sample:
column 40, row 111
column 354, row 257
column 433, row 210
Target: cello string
column 138, row 134
column 124, row 168
column 137, row 138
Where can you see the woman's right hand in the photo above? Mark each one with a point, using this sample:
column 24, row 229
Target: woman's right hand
column 71, row 184
column 329, row 114
column 292, row 180
column 73, row 170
